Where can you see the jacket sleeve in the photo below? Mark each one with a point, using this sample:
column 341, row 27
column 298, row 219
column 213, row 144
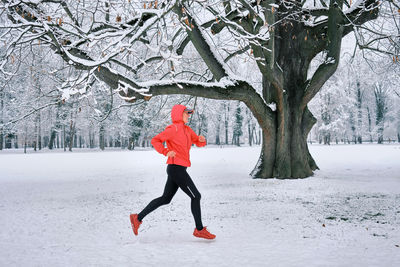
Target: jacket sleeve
column 195, row 138
column 158, row 140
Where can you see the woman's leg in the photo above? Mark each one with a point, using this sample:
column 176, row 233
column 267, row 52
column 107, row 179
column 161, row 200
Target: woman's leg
column 169, row 191
column 183, row 180
column 195, row 204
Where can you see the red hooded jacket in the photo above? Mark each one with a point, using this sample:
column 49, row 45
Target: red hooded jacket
column 179, row 138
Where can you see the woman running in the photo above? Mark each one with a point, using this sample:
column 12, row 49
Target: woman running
column 179, row 138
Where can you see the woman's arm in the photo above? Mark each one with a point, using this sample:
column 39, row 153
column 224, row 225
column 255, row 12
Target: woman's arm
column 160, row 138
column 195, row 138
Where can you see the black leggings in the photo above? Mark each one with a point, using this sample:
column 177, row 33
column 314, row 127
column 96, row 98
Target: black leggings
column 177, row 177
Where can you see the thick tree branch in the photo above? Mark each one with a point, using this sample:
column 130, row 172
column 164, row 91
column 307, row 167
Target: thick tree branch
column 241, row 91
column 66, row 8
column 338, row 25
column 198, row 40
column 328, row 68
column 366, row 11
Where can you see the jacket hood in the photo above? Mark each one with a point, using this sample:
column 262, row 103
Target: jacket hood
column 177, row 113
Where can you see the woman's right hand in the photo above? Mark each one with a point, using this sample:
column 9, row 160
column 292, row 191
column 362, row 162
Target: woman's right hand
column 171, row 154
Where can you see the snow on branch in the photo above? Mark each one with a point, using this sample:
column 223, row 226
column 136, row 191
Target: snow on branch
column 143, row 88
column 61, row 29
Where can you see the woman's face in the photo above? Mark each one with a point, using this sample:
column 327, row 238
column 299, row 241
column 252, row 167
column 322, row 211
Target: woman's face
column 185, row 117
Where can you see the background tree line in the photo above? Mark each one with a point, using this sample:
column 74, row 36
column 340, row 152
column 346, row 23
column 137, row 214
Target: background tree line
column 34, row 113
column 367, row 110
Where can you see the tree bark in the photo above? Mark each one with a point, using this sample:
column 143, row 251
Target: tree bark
column 1, row 118
column 217, row 134
column 55, row 128
column 101, row 137
column 369, row 125
column 359, row 113
column 71, row 134
column 249, row 128
column 64, row 140
column 1, row 137
column 226, row 121
column 39, row 129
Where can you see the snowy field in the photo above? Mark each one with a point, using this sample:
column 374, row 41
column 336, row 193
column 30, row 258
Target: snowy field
column 72, row 209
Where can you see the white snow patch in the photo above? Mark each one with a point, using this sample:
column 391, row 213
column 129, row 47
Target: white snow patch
column 72, row 209
column 272, row 106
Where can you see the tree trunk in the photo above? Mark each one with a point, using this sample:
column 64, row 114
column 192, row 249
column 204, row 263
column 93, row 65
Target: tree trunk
column 217, row 140
column 249, row 127
column 64, row 139
column 380, row 137
column 75, row 138
column 35, row 135
column 91, row 139
column 226, row 108
column 55, row 129
column 381, row 109
column 359, row 113
column 25, row 138
column 58, row 140
column 131, row 143
column 1, row 138
column 284, row 152
column 101, row 137
column 46, row 141
column 266, row 162
column 16, row 141
column 353, row 128
column 1, row 118
column 52, row 139
column 110, row 141
column 327, row 138
column 369, row 125
column 39, row 134
column 71, row 134
column 255, row 136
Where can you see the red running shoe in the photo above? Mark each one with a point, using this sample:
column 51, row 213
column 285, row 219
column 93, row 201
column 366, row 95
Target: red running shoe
column 135, row 223
column 203, row 233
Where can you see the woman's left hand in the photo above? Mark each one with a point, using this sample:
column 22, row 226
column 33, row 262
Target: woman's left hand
column 202, row 138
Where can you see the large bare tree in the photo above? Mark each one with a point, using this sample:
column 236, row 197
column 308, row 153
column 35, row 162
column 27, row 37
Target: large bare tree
column 142, row 49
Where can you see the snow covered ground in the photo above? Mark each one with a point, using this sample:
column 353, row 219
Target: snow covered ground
column 72, row 209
